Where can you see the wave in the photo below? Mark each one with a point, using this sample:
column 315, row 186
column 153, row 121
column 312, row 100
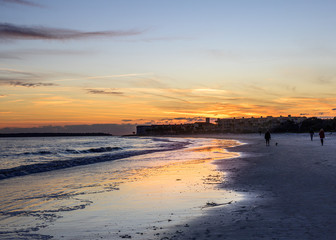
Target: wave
column 37, row 153
column 73, row 151
column 94, row 150
column 61, row 164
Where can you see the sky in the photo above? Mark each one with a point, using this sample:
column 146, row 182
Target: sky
column 71, row 62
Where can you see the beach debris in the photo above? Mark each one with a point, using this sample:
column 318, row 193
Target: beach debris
column 213, row 204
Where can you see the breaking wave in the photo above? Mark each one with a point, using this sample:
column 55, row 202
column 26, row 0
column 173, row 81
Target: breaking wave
column 79, row 161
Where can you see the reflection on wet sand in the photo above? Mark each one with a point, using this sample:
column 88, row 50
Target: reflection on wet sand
column 151, row 200
column 139, row 196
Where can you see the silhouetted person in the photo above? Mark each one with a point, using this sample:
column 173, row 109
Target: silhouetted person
column 311, row 131
column 322, row 136
column 267, row 138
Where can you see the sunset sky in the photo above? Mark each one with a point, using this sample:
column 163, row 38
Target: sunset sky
column 69, row 62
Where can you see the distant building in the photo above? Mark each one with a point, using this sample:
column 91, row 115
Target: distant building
column 226, row 125
column 176, row 129
column 250, row 125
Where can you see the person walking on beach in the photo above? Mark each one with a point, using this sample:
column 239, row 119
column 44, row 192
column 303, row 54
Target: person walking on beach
column 267, row 137
column 311, row 131
column 322, row 135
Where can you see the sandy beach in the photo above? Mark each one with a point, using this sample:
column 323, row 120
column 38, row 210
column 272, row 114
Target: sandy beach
column 219, row 187
column 289, row 192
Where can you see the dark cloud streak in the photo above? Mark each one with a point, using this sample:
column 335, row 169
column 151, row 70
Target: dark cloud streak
column 106, row 92
column 11, row 31
column 31, row 84
column 16, row 78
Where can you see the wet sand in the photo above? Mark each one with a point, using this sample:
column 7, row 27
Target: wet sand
column 289, row 192
column 284, row 191
column 148, row 202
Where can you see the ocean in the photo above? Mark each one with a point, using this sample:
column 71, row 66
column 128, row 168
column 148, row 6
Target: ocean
column 54, row 187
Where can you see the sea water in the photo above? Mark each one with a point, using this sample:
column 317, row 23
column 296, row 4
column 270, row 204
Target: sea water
column 48, row 184
column 24, row 156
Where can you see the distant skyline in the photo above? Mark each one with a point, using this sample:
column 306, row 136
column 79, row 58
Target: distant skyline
column 135, row 62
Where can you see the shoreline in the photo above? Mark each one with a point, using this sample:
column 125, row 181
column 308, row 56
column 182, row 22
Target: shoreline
column 147, row 204
column 139, row 196
column 284, row 191
column 289, row 191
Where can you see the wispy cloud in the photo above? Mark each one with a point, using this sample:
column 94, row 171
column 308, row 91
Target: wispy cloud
column 105, row 91
column 193, row 119
column 11, row 31
column 31, row 84
column 21, row 2
column 15, row 78
column 15, row 71
column 168, row 97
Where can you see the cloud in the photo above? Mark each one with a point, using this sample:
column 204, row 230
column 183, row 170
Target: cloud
column 189, row 119
column 11, row 31
column 21, row 2
column 15, row 78
column 6, row 71
column 164, row 96
column 334, row 109
column 31, row 84
column 107, row 92
column 181, row 119
column 3, row 95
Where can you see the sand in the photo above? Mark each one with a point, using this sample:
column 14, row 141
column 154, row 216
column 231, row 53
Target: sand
column 289, row 189
column 149, row 194
column 283, row 191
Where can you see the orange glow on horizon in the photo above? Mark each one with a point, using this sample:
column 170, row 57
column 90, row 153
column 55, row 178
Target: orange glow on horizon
column 74, row 106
